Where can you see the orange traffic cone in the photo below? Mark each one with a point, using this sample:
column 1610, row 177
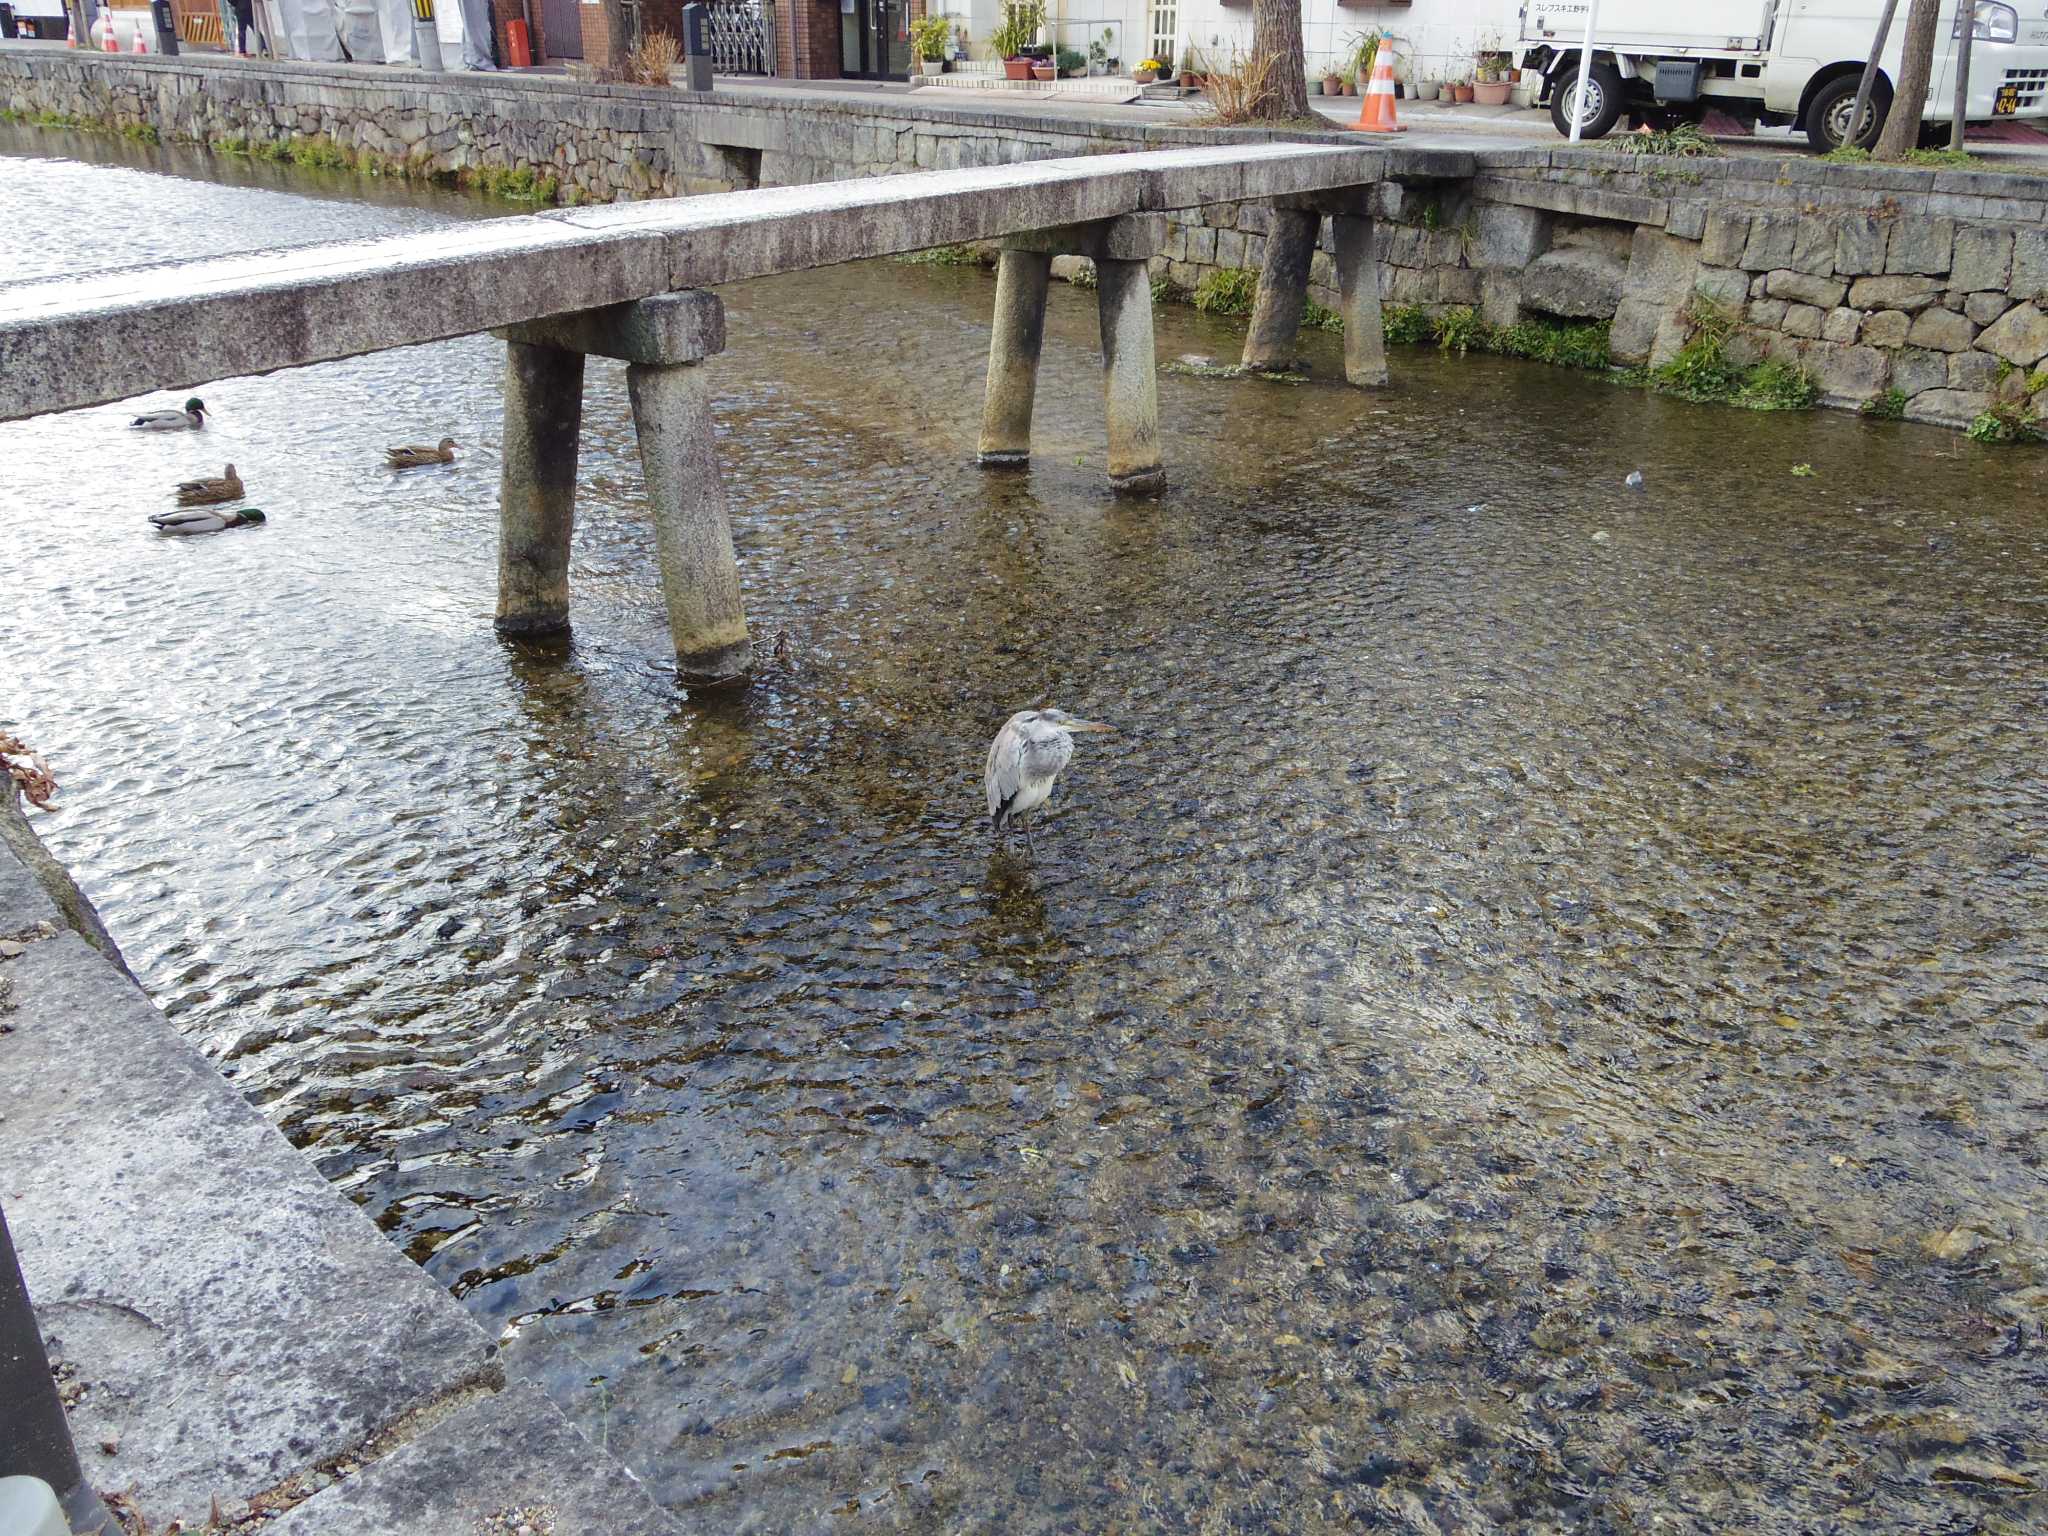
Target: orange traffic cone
column 1376, row 107
column 70, row 32
column 140, row 45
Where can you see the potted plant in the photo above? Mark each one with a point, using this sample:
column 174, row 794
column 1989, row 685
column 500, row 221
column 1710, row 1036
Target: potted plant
column 1017, row 33
column 1191, row 68
column 928, row 38
column 1071, row 62
column 1147, row 71
column 1044, row 69
column 1489, row 73
column 1365, row 47
column 1488, row 88
column 1333, row 81
column 1424, row 88
column 1461, row 90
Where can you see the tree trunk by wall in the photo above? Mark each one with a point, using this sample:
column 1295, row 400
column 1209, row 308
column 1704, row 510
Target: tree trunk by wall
column 1276, row 33
column 1916, row 69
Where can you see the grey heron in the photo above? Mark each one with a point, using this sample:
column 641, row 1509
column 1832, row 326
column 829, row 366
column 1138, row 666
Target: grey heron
column 1024, row 759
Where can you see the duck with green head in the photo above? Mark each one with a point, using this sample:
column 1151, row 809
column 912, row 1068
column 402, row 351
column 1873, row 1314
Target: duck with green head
column 190, row 419
column 205, row 519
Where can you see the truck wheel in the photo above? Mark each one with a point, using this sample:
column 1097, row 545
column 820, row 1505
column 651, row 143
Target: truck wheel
column 1827, row 115
column 1602, row 109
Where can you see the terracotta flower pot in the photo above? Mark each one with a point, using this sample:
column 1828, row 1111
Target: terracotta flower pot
column 1047, row 71
column 1145, row 76
column 1464, row 92
column 1016, row 69
column 1333, row 85
column 1491, row 93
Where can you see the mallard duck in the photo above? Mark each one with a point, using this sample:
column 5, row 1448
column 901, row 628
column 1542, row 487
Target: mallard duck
column 190, row 419
column 418, row 455
column 205, row 520
column 227, row 486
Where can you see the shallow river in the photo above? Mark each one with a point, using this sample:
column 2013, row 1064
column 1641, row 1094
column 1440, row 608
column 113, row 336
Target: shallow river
column 1535, row 1023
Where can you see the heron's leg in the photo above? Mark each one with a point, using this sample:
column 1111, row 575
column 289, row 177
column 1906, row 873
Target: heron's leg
column 1030, row 841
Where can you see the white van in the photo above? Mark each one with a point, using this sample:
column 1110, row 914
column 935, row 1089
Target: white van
column 1773, row 61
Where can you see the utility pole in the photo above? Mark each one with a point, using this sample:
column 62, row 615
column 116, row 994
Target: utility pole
column 1884, row 32
column 1966, row 24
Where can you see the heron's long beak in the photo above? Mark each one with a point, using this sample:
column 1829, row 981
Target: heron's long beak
column 1090, row 725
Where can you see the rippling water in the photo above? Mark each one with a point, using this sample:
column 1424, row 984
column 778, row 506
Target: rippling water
column 1535, row 1023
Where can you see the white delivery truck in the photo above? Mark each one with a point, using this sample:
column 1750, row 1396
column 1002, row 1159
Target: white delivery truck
column 1773, row 61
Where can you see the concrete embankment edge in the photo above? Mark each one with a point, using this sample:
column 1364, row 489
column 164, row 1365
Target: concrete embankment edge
column 231, row 1328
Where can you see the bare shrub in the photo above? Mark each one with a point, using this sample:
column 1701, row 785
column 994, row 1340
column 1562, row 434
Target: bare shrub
column 651, row 62
column 1240, row 91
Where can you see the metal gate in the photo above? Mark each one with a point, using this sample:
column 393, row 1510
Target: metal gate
column 739, row 38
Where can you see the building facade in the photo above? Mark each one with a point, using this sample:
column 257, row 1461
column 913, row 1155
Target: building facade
column 869, row 38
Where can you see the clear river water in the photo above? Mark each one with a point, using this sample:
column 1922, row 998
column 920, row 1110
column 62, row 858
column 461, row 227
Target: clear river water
column 1535, row 1023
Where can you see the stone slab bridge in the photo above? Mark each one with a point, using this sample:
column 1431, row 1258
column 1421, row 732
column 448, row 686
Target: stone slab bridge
column 630, row 281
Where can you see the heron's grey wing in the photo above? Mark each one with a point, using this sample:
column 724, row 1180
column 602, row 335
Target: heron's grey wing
column 1002, row 776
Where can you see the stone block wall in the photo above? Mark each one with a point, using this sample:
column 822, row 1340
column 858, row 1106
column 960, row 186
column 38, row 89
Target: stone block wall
column 1874, row 279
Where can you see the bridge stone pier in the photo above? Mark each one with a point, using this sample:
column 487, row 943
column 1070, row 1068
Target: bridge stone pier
column 631, row 280
column 1120, row 249
column 1291, row 239
column 663, row 340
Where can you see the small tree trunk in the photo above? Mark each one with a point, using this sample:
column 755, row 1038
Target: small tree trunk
column 1916, row 70
column 1276, row 34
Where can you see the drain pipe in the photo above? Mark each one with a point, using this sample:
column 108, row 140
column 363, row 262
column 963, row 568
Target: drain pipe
column 38, row 1441
column 1585, row 72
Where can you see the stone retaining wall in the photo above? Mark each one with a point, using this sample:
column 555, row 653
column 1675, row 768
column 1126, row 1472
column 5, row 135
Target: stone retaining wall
column 598, row 143
column 1918, row 289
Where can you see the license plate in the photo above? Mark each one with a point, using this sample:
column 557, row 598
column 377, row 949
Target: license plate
column 2008, row 101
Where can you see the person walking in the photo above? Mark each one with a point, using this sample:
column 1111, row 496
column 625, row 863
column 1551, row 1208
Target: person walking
column 245, row 18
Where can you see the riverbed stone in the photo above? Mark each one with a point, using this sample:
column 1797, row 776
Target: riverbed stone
column 1842, row 325
column 1941, row 330
column 1915, row 369
column 2021, row 337
column 1580, row 283
column 1948, row 407
column 1802, row 320
column 1887, row 328
column 1921, row 245
column 1902, row 291
column 1982, row 259
column 1851, row 374
column 1804, row 288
